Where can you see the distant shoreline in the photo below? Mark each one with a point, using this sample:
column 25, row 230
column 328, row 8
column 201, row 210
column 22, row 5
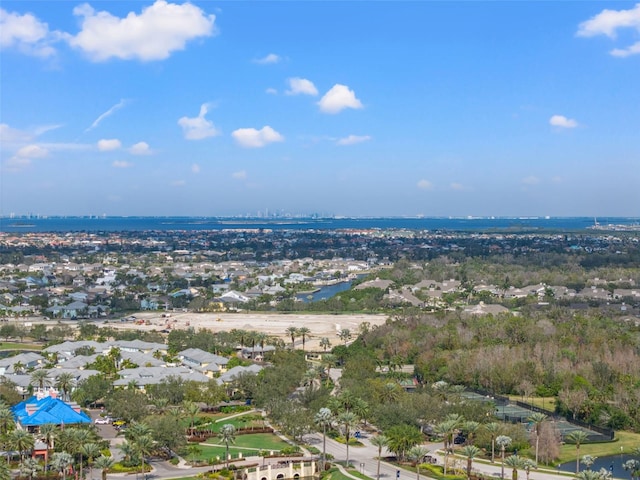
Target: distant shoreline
column 522, row 224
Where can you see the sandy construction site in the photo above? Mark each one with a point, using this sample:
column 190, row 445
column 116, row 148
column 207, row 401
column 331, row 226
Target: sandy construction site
column 320, row 325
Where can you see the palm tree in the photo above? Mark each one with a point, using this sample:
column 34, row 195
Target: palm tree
column 79, row 437
column 40, row 378
column 347, row 421
column 588, row 460
column 633, row 466
column 325, row 343
column 445, row 430
column 22, row 441
column 493, row 428
column 227, row 436
column 293, row 333
column 577, row 437
column 379, row 441
column 416, row 454
column 18, row 367
column 537, row 418
column 5, row 471
column 470, row 427
column 104, row 463
column 192, row 410
column 323, row 418
column 390, row 393
column 470, row 451
column 143, row 446
column 61, row 461
column 503, row 441
column 592, row 475
column 30, row 467
column 7, row 421
column 514, row 462
column 48, row 432
column 528, row 464
column 65, row 382
column 304, row 332
column 91, row 451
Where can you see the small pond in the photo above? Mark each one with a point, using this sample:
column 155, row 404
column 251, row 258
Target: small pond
column 612, row 463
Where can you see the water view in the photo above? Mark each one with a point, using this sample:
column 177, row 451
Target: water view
column 611, row 463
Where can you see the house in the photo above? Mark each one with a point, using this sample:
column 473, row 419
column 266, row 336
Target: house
column 143, row 376
column 235, row 372
column 257, row 352
column 25, row 361
column 205, row 362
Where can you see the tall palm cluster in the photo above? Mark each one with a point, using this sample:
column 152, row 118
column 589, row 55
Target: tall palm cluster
column 63, row 382
column 68, row 449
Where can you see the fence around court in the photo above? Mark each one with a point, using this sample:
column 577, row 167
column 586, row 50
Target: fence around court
column 519, row 412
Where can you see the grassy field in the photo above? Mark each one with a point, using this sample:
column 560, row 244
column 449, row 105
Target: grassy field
column 20, row 346
column 258, row 441
column 627, row 440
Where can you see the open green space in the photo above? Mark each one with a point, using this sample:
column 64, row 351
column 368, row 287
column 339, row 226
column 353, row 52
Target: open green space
column 335, row 474
column 259, row 441
column 20, row 346
column 627, row 440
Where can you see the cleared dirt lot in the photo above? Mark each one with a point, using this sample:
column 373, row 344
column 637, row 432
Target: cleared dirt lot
column 323, row 325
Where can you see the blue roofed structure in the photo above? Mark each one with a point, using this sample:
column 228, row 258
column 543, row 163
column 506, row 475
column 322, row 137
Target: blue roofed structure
column 36, row 411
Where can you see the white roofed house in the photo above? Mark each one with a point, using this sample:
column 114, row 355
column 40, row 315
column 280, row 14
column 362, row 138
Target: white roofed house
column 142, row 376
column 207, row 363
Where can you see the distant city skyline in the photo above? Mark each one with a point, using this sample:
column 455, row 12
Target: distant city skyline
column 361, row 109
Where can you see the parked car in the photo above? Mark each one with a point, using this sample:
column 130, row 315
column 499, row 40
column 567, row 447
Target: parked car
column 103, row 421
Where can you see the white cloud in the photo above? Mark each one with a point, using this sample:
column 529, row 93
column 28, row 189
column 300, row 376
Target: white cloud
column 239, row 175
column 121, row 164
column 25, row 33
column 425, row 184
column 252, row 138
column 271, row 91
column 301, row 86
column 198, row 128
column 195, row 168
column 531, row 180
column 154, row 34
column 23, row 157
column 608, row 22
column 140, row 148
column 353, row 139
column 562, row 122
column 104, row 115
column 178, row 183
column 106, row 145
column 456, row 186
column 556, row 179
column 626, row 52
column 32, row 151
column 13, row 135
column 339, row 98
column 268, row 60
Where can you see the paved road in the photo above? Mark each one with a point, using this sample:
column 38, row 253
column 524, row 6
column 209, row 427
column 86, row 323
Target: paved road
column 364, row 459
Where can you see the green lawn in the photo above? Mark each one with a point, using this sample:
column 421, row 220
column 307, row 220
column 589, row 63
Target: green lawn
column 627, row 440
column 259, row 441
column 20, row 346
column 335, row 474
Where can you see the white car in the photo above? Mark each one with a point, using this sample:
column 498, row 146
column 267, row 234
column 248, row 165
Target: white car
column 103, row 421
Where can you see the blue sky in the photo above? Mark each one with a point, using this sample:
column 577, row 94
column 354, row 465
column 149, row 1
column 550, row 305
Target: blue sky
column 346, row 108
